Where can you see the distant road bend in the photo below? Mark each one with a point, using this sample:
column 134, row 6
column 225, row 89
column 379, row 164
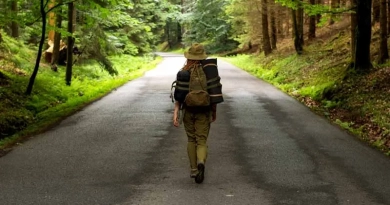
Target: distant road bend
column 265, row 148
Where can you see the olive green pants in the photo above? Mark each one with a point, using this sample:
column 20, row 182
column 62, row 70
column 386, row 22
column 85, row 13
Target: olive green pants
column 197, row 127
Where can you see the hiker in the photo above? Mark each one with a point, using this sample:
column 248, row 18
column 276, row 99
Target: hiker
column 196, row 119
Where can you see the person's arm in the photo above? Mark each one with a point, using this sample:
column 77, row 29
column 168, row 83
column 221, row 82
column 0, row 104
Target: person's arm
column 176, row 114
column 214, row 110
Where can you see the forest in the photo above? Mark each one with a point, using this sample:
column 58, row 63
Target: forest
column 57, row 56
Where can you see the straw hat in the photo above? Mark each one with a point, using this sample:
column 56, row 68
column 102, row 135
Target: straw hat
column 196, row 52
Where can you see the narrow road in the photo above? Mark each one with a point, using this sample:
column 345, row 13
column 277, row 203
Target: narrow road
column 265, row 148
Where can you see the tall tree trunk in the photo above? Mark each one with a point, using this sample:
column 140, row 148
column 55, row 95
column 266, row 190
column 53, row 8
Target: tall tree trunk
column 363, row 37
column 300, row 22
column 264, row 23
column 312, row 24
column 287, row 12
column 52, row 21
column 318, row 17
column 375, row 11
column 39, row 55
column 383, row 51
column 297, row 37
column 14, row 24
column 179, row 34
column 388, row 17
column 57, row 36
column 70, row 42
column 353, row 30
column 273, row 24
column 279, row 22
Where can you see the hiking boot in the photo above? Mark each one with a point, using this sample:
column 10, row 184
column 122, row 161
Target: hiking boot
column 194, row 173
column 200, row 176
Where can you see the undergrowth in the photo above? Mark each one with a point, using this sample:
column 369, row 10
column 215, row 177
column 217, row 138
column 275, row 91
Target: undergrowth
column 321, row 79
column 51, row 99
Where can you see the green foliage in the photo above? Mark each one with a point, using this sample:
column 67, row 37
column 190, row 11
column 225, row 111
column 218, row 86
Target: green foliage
column 50, row 103
column 207, row 22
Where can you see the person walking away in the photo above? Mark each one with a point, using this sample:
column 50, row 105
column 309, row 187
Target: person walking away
column 198, row 112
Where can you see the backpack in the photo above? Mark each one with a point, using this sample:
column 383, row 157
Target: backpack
column 181, row 85
column 197, row 95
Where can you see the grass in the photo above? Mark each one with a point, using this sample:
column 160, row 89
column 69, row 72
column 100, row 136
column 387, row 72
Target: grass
column 51, row 100
column 321, row 79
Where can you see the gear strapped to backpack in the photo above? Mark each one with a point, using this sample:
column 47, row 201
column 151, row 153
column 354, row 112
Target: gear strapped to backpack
column 205, row 85
column 197, row 95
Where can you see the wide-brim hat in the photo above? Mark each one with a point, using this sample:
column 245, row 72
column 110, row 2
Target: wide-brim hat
column 196, row 52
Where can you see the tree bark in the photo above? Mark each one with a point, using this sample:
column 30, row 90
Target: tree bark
column 279, row 21
column 70, row 41
column 318, row 17
column 383, row 51
column 57, row 36
column 14, row 24
column 264, row 23
column 300, row 23
column 375, row 11
column 273, row 25
column 312, row 24
column 297, row 37
column 39, row 55
column 353, row 30
column 388, row 16
column 363, row 36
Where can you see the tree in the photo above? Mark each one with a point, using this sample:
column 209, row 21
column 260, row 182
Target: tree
column 70, row 43
column 264, row 22
column 375, row 10
column 383, row 51
column 297, row 19
column 312, row 23
column 363, row 36
column 353, row 30
column 273, row 24
column 14, row 23
column 39, row 55
column 57, row 38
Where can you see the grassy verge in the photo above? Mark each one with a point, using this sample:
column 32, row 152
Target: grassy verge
column 22, row 116
column 320, row 79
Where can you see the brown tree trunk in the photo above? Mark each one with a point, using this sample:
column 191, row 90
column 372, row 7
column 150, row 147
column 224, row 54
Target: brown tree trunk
column 14, row 24
column 312, row 24
column 70, row 42
column 298, row 41
column 279, row 22
column 273, row 25
column 287, row 11
column 376, row 11
column 318, row 17
column 383, row 51
column 363, row 36
column 353, row 30
column 388, row 17
column 300, row 23
column 264, row 23
column 57, row 37
column 39, row 55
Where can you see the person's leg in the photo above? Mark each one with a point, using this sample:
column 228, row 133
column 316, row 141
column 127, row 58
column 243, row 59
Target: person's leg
column 188, row 121
column 202, row 128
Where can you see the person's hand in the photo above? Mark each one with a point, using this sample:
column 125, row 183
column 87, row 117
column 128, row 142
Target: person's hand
column 176, row 118
column 213, row 116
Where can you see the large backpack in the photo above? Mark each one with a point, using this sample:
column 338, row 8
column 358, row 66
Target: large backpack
column 197, row 95
column 209, row 69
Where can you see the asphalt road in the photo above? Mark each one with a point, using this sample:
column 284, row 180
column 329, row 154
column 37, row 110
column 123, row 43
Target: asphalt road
column 265, row 148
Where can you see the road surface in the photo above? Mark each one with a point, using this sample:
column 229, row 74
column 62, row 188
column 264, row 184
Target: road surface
column 265, row 148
